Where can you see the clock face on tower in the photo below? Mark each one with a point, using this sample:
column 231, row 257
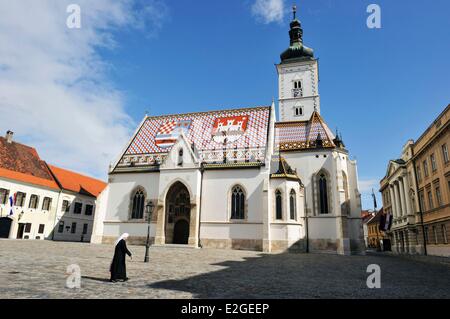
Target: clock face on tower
column 297, row 92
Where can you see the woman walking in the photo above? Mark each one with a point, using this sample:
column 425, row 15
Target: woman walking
column 118, row 267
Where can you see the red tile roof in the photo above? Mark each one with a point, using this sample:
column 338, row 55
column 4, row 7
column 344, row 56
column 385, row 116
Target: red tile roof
column 29, row 179
column 77, row 183
column 22, row 163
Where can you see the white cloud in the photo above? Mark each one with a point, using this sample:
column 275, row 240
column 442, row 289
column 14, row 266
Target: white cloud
column 366, row 186
column 268, row 11
column 53, row 89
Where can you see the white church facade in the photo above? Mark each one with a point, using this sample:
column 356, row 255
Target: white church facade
column 240, row 178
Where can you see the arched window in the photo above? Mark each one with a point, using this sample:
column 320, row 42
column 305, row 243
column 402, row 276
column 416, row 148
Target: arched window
column 345, row 185
column 323, row 194
column 298, row 89
column 237, row 203
column 137, row 211
column 346, row 206
column 278, row 205
column 180, row 157
column 298, row 111
column 293, row 205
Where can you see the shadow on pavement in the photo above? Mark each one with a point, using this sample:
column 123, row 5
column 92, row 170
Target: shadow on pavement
column 294, row 276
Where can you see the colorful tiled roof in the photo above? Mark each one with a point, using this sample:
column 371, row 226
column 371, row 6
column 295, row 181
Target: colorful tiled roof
column 77, row 183
column 239, row 135
column 22, row 163
column 279, row 168
column 299, row 135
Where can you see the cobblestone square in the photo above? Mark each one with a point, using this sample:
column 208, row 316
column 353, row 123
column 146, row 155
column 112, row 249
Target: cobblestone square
column 37, row 269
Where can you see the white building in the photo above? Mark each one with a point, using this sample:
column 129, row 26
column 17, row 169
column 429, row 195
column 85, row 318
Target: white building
column 40, row 201
column 238, row 178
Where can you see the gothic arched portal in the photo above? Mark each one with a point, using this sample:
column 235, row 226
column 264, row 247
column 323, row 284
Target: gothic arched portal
column 178, row 214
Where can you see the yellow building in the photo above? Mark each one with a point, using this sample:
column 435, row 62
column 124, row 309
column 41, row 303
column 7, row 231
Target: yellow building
column 420, row 223
column 432, row 165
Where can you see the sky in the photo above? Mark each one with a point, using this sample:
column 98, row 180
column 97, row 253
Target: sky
column 78, row 95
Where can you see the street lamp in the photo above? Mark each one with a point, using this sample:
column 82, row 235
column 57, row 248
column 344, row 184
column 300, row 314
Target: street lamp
column 149, row 208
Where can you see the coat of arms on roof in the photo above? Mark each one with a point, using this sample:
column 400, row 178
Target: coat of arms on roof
column 169, row 132
column 229, row 129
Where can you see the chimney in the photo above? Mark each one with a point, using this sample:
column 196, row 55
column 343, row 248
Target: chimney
column 9, row 136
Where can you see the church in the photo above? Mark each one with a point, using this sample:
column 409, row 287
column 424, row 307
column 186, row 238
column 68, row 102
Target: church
column 240, row 178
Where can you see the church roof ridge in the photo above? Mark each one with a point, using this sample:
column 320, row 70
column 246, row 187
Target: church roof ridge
column 252, row 108
column 300, row 135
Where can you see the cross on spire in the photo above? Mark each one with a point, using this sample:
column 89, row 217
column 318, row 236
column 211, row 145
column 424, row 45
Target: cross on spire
column 294, row 11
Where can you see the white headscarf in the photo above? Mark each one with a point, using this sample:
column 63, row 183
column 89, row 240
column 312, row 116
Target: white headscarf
column 123, row 236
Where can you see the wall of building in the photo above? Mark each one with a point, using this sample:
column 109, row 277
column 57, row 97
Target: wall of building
column 217, row 228
column 73, row 224
column 307, row 73
column 334, row 231
column 407, row 232
column 117, row 200
column 24, row 215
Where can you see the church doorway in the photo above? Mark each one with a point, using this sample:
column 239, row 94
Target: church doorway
column 178, row 214
column 181, row 232
column 5, row 227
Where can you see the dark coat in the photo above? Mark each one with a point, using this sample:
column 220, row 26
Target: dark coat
column 118, row 268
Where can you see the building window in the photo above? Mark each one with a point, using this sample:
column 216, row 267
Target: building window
column 85, row 229
column 433, row 163
column 293, row 204
column 430, row 200
column 180, row 157
column 65, row 206
column 298, row 111
column 323, row 194
column 46, row 203
column 4, row 194
column 435, row 235
column 20, row 199
column 89, row 210
column 298, row 89
column 237, row 203
column 41, row 228
column 444, row 233
column 28, row 227
column 425, row 168
column 279, row 205
column 438, row 196
column 34, row 201
column 426, row 235
column 421, row 201
column 78, row 208
column 419, row 173
column 74, row 228
column 61, row 227
column 138, row 205
column 445, row 153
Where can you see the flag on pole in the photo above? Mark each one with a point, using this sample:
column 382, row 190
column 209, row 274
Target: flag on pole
column 374, row 200
column 12, row 202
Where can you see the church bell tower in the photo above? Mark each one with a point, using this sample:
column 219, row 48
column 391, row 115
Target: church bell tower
column 298, row 78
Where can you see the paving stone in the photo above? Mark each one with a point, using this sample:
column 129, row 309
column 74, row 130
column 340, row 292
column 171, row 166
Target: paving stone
column 37, row 269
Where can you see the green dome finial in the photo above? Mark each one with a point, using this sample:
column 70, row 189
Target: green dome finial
column 296, row 49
